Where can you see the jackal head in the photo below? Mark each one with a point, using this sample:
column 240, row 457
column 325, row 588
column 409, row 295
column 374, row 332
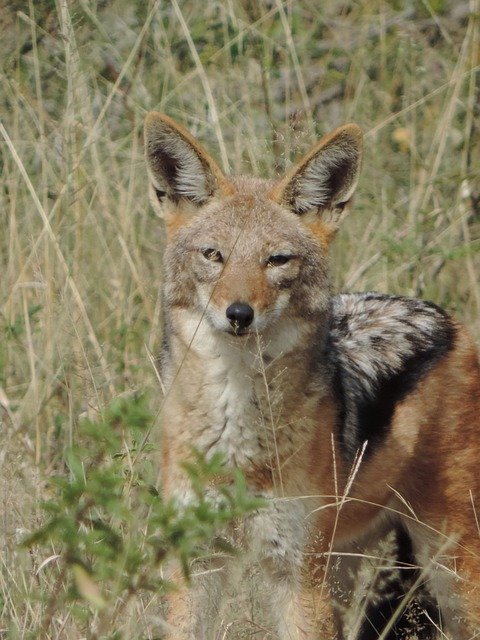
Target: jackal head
column 245, row 255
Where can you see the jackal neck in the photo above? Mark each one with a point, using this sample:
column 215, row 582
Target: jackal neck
column 240, row 397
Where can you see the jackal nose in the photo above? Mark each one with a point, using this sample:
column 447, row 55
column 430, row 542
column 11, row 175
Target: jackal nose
column 240, row 315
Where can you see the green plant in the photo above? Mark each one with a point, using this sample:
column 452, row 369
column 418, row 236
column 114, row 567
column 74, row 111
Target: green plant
column 109, row 526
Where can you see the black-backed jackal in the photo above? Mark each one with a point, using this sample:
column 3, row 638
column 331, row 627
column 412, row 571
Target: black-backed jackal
column 349, row 413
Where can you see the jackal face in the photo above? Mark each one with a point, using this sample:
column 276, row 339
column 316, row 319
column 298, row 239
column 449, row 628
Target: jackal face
column 245, row 254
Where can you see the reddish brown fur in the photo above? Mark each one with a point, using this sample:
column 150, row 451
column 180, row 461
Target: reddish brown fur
column 325, row 233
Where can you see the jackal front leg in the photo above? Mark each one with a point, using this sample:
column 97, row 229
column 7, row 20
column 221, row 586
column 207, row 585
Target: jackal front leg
column 300, row 611
column 278, row 537
column 193, row 608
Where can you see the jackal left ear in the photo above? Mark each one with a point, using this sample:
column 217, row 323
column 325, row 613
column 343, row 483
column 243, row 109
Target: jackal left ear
column 179, row 168
column 327, row 176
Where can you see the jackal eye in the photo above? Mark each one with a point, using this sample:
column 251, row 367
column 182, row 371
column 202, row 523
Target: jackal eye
column 278, row 260
column 213, row 255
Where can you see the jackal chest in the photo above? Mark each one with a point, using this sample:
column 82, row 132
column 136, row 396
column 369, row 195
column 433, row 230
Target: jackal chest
column 239, row 414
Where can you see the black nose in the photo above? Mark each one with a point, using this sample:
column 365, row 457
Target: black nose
column 240, row 315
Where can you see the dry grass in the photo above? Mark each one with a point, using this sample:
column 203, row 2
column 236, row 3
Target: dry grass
column 81, row 251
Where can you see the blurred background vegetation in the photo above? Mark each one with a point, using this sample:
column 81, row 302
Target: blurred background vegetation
column 257, row 82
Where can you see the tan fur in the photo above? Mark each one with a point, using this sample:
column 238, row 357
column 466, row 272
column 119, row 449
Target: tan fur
column 424, row 472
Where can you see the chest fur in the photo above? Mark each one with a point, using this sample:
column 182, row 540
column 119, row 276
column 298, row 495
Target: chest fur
column 244, row 412
column 232, row 404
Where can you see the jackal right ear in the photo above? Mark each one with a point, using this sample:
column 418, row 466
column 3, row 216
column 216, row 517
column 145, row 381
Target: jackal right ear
column 179, row 168
column 326, row 177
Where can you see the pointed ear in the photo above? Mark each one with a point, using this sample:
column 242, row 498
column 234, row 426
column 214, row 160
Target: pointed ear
column 327, row 176
column 178, row 167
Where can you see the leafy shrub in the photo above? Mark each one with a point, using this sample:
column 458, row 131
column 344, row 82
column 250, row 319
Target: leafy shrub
column 111, row 529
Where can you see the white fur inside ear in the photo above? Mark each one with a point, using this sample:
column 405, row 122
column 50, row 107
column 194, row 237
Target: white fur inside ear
column 190, row 178
column 313, row 186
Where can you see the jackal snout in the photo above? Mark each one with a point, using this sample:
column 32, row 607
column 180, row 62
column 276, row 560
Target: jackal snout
column 240, row 315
